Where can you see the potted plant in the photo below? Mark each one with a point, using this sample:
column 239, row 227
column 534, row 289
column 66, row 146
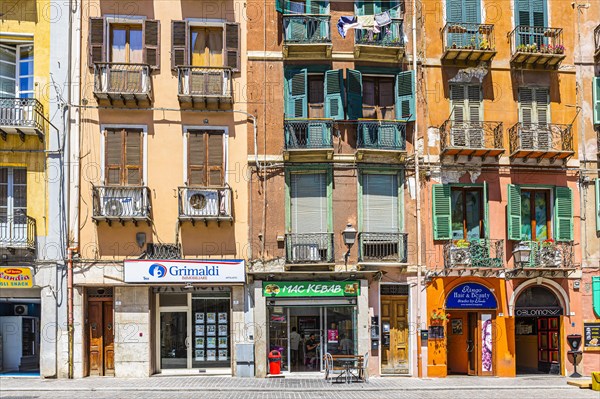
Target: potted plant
column 438, row 317
column 559, row 49
column 457, row 29
column 484, row 44
column 460, row 253
column 533, row 48
column 549, row 255
column 521, row 48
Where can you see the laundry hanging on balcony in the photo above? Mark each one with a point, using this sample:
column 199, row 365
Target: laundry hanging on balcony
column 371, row 23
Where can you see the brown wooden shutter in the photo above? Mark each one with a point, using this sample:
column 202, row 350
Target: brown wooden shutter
column 133, row 158
column 196, row 159
column 232, row 46
column 113, row 157
column 152, row 43
column 215, row 158
column 179, row 43
column 96, row 45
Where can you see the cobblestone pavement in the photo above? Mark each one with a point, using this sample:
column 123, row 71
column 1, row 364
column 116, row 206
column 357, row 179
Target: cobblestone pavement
column 291, row 388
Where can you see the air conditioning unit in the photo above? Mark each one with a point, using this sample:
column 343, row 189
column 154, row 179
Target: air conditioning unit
column 121, row 207
column 20, row 310
column 305, row 253
column 201, row 202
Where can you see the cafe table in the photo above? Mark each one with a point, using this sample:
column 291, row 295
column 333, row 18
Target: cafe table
column 349, row 364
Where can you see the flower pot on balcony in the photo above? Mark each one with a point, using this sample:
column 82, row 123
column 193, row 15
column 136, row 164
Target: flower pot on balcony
column 456, row 29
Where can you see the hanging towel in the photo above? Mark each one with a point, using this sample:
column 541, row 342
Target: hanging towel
column 367, row 22
column 346, row 23
column 383, row 19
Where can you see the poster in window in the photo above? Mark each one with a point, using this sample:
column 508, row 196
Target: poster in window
column 211, row 330
column 199, row 318
column 211, row 318
column 222, row 318
column 200, row 342
column 222, row 354
column 486, row 342
column 211, row 343
column 199, row 355
column 211, row 355
column 457, row 326
column 199, row 330
column 223, row 330
column 222, row 342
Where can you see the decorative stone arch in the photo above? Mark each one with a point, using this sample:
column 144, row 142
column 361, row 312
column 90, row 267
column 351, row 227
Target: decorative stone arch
column 553, row 286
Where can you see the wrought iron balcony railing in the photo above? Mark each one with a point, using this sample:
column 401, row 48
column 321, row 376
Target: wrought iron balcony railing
column 468, row 41
column 121, row 203
column 308, row 134
column 391, row 35
column 381, row 135
column 537, row 46
column 203, row 84
column 205, row 203
column 482, row 253
column 548, row 254
column 309, row 248
column 306, row 29
column 22, row 116
column 471, row 138
column 543, row 140
column 122, row 81
column 383, row 247
column 18, row 232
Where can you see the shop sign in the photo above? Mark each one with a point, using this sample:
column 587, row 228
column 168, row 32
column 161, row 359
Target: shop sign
column 538, row 312
column 184, row 271
column 16, row 277
column 471, row 296
column 281, row 289
column 591, row 336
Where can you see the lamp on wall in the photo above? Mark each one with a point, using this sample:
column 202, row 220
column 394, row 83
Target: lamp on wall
column 349, row 235
column 140, row 239
column 522, row 254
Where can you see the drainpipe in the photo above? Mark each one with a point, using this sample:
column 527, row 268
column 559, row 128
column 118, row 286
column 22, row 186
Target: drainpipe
column 70, row 323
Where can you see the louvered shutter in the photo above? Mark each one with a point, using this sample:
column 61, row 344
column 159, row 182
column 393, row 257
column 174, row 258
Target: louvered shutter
column 454, row 14
column 232, row 46
column 475, row 108
column 196, row 159
column 513, row 212
column 380, row 203
column 355, row 94
column 179, row 43
column 152, row 43
column 334, row 94
column 308, row 202
column 538, row 12
column 486, row 211
column 405, row 96
column 442, row 214
column 541, row 106
column 597, row 205
column 296, row 96
column 526, row 117
column 596, row 295
column 215, row 158
column 113, row 157
column 596, row 92
column 457, row 103
column 472, row 11
column 368, row 7
column 563, row 213
column 96, row 45
column 523, row 13
column 133, row 157
column 279, row 6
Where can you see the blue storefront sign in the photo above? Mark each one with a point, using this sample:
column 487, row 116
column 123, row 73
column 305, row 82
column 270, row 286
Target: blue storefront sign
column 471, row 296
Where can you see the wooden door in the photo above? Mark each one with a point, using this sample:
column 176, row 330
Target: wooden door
column 394, row 348
column 101, row 338
column 548, row 343
column 109, row 338
column 472, row 344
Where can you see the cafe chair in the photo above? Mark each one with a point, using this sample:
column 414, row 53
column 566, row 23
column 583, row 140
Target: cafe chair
column 330, row 371
column 363, row 369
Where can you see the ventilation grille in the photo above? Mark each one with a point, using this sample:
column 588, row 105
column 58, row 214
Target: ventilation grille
column 101, row 292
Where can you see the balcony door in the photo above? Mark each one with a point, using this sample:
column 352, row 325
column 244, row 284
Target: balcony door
column 467, row 14
column 466, row 114
column 532, row 16
column 13, row 206
column 16, row 71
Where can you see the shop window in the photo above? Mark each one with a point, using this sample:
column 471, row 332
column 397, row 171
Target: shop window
column 205, row 152
column 123, row 155
column 468, row 216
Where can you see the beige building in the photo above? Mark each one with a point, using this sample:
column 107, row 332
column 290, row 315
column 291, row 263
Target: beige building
column 162, row 147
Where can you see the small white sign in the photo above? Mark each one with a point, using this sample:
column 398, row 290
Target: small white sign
column 184, row 271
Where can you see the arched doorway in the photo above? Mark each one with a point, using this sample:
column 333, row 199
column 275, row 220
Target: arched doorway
column 537, row 331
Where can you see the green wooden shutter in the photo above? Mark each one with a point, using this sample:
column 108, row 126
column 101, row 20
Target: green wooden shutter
column 596, row 294
column 596, row 91
column 334, row 94
column 405, row 96
column 563, row 213
column 486, row 211
column 367, row 7
column 279, row 6
column 296, row 98
column 598, row 205
column 380, row 203
column 514, row 212
column 355, row 93
column 442, row 213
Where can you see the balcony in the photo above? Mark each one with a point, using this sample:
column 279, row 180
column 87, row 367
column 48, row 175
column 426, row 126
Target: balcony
column 306, row 36
column 597, row 44
column 205, row 204
column 205, row 87
column 121, row 204
column 309, row 249
column 541, row 141
column 546, row 259
column 483, row 257
column 382, row 247
column 308, row 138
column 22, row 116
column 17, row 233
column 536, row 47
column 386, row 46
column 381, row 138
column 124, row 83
column 466, row 43
column 473, row 139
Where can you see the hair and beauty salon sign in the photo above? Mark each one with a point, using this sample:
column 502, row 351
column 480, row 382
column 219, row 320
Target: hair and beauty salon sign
column 184, row 271
column 289, row 289
column 471, row 296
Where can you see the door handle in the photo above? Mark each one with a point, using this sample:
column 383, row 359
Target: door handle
column 470, row 345
column 187, row 342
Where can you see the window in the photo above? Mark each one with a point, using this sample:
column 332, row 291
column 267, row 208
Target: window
column 126, row 44
column 380, row 203
column 378, row 97
column 598, row 205
column 465, row 103
column 534, row 105
column 314, row 7
column 314, row 95
column 16, row 71
column 465, row 11
column 123, row 156
column 596, row 100
column 308, row 203
column 535, row 215
column 209, row 45
column 205, row 166
column 460, row 212
column 467, row 213
column 531, row 12
column 13, row 195
column 371, row 7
